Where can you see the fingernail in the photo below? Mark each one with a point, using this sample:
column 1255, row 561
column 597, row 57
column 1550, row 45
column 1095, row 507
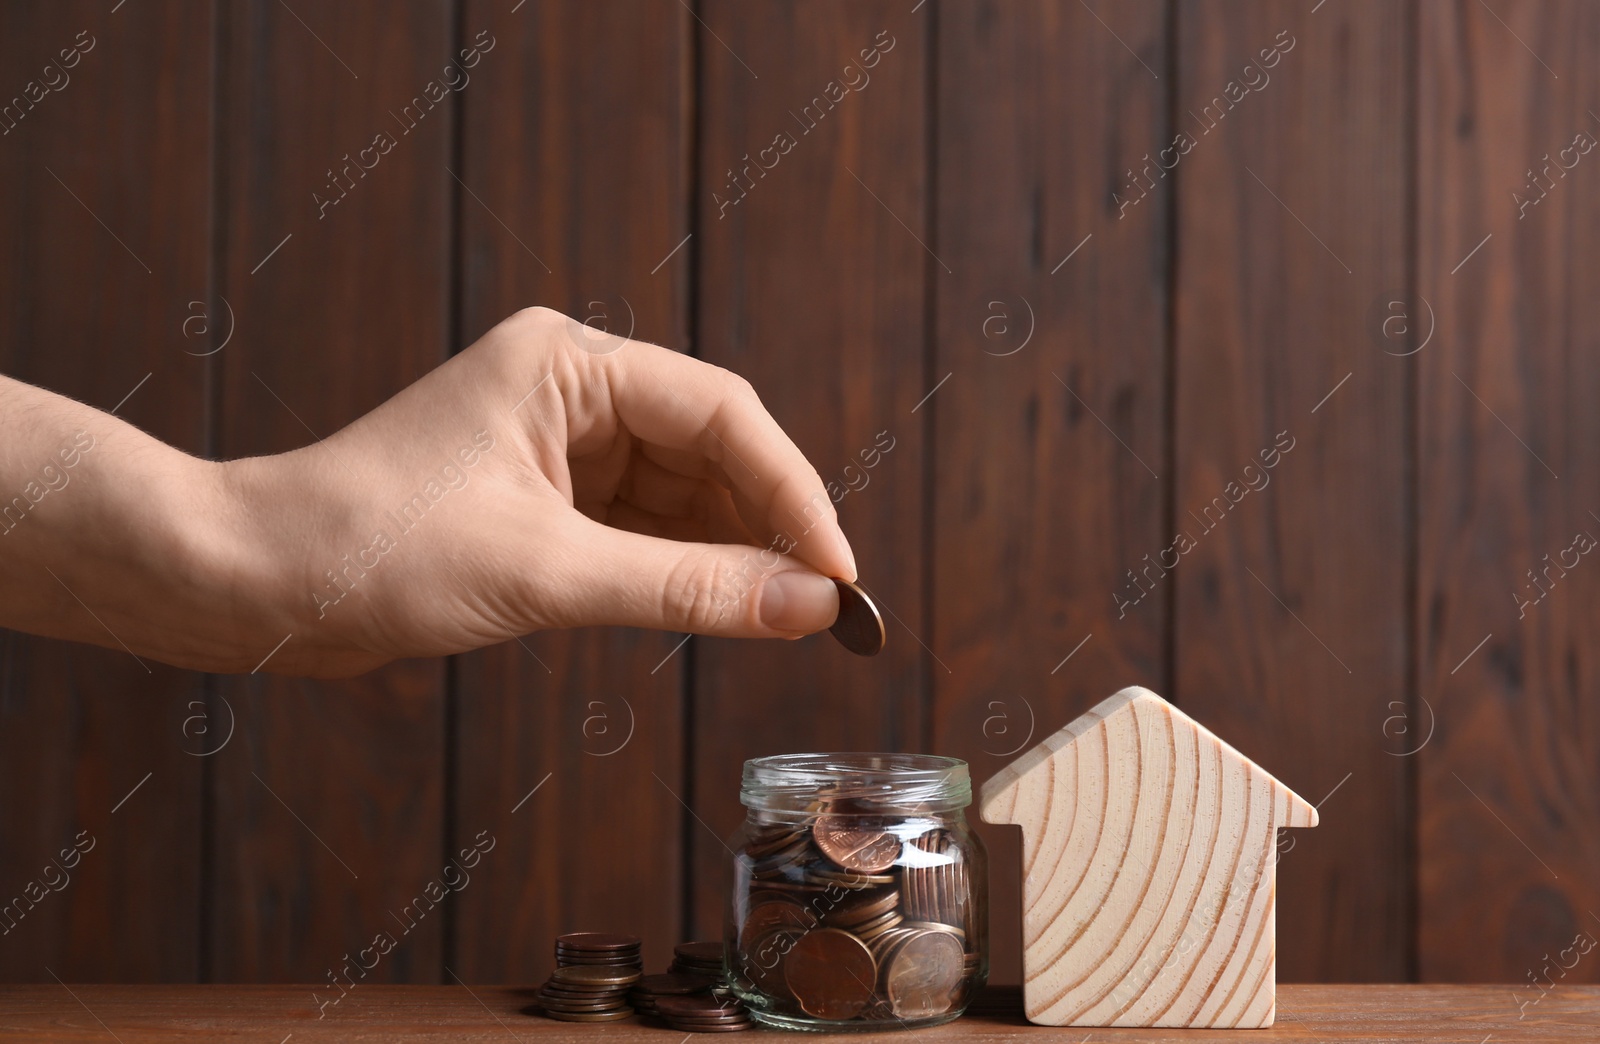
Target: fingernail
column 799, row 601
column 844, row 545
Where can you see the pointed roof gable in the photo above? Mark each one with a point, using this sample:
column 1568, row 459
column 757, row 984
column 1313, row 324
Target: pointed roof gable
column 1000, row 789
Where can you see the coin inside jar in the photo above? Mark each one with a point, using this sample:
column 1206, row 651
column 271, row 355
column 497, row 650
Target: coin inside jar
column 863, row 910
column 924, row 975
column 863, row 850
column 832, row 974
column 859, row 626
column 766, row 918
column 764, row 960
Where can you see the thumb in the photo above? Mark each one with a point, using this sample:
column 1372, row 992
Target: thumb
column 729, row 590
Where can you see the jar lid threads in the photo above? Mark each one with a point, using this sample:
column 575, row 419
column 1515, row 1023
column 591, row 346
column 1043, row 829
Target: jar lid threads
column 868, row 783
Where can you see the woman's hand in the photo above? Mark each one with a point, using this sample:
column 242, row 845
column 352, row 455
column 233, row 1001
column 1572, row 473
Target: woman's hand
column 548, row 476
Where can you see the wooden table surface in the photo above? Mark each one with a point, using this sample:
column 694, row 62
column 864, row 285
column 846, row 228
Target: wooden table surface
column 287, row 1015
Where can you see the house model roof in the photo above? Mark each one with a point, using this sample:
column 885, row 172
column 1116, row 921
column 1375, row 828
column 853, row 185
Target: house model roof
column 1149, row 870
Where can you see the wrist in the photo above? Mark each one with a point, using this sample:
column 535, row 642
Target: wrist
column 284, row 518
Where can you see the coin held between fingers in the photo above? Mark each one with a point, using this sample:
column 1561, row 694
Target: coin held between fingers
column 859, row 626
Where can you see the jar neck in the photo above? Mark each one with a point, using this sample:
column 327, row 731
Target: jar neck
column 856, row 784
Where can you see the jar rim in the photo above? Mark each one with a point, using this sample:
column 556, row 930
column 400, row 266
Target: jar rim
column 788, row 781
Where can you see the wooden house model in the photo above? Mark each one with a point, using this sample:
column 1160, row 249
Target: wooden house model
column 1149, row 870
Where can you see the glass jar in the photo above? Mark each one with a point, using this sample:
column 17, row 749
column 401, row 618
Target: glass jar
column 860, row 897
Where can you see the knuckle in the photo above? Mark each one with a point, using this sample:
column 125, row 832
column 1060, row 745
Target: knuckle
column 738, row 401
column 537, row 315
column 702, row 593
column 732, row 386
column 741, row 386
column 534, row 325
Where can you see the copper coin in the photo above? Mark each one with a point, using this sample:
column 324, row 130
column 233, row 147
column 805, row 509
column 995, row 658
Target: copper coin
column 703, row 971
column 556, row 989
column 582, row 1003
column 924, row 975
column 778, row 864
column 614, row 999
column 864, row 850
column 937, row 926
column 589, row 941
column 590, row 1016
column 854, row 882
column 767, row 843
column 700, row 1006
column 831, row 974
column 586, row 975
column 874, row 928
column 634, row 966
column 570, row 978
column 763, row 962
column 767, row 918
column 616, row 956
column 700, row 952
column 860, row 911
column 569, row 1007
column 859, row 625
column 730, row 1027
column 883, row 947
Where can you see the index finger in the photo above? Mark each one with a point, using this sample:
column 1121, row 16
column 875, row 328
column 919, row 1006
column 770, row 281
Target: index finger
column 679, row 402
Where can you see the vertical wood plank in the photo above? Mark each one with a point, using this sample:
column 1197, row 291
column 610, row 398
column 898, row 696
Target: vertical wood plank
column 1051, row 429
column 113, row 146
column 329, row 807
column 812, row 283
column 1291, row 615
column 1510, row 785
column 575, row 177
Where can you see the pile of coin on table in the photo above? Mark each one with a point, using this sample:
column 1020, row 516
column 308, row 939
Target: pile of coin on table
column 833, row 922
column 594, row 972
column 598, row 978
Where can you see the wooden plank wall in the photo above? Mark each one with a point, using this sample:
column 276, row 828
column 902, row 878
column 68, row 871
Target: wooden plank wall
column 1085, row 266
column 1510, row 457
column 105, row 280
column 329, row 815
column 1045, row 274
column 577, row 208
column 1290, row 626
column 828, row 222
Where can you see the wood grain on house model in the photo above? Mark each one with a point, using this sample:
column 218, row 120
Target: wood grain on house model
column 1149, row 877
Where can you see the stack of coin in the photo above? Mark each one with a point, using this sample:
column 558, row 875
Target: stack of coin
column 704, row 1013
column 598, row 949
column 937, row 889
column 697, row 958
column 840, row 919
column 588, row 993
column 650, row 989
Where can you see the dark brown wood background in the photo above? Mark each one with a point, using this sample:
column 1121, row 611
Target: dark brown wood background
column 1077, row 342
